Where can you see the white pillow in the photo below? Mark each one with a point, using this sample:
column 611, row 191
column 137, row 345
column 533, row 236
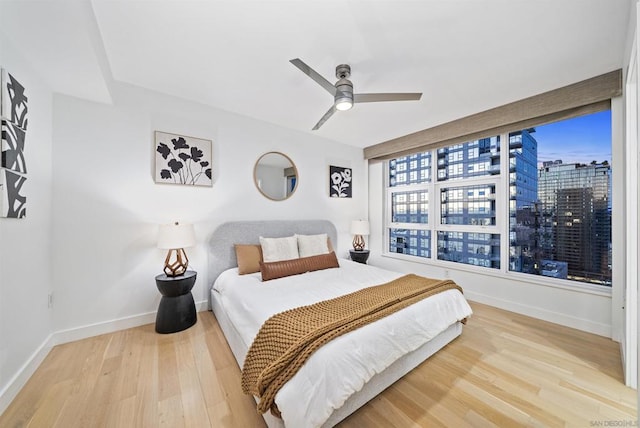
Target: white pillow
column 312, row 245
column 276, row 249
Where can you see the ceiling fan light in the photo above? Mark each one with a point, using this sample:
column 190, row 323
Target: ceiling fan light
column 343, row 103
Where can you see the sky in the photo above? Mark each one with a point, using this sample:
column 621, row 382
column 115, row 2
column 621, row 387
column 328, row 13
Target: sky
column 582, row 139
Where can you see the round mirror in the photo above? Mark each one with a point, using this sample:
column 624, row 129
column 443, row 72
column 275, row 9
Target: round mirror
column 275, row 176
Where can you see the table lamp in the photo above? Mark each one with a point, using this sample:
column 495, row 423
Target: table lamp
column 359, row 228
column 175, row 237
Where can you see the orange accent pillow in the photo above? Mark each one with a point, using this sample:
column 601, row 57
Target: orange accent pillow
column 249, row 258
column 273, row 270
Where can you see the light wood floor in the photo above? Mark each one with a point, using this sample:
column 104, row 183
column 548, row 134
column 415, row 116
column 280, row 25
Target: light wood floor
column 505, row 370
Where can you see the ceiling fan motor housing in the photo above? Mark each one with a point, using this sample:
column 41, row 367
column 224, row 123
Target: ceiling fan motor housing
column 343, row 99
column 343, row 71
column 345, row 86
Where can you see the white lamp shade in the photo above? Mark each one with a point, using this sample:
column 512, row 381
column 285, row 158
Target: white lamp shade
column 360, row 227
column 176, row 235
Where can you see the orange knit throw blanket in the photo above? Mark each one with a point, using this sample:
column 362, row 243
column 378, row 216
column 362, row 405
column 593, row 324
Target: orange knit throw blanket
column 286, row 340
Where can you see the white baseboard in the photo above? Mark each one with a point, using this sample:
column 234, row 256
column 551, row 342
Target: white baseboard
column 13, row 387
column 90, row 330
column 543, row 314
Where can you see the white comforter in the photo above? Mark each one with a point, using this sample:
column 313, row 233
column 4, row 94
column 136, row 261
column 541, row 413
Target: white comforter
column 341, row 367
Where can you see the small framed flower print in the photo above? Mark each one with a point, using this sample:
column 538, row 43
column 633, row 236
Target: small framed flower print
column 340, row 182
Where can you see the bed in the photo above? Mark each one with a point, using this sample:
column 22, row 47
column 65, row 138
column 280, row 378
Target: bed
column 332, row 383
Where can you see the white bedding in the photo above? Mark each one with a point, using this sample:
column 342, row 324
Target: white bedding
column 344, row 365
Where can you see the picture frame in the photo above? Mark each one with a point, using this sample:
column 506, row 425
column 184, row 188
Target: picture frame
column 340, row 182
column 182, row 160
column 13, row 101
column 13, row 129
column 12, row 198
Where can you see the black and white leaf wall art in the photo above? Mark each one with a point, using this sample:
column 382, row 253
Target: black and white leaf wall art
column 13, row 129
column 12, row 147
column 12, row 199
column 13, row 100
column 340, row 183
column 182, row 160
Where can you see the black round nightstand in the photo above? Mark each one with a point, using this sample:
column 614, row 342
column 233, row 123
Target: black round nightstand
column 177, row 310
column 359, row 256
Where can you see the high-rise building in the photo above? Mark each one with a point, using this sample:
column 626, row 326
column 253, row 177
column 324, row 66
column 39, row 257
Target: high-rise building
column 575, row 218
column 469, row 205
column 459, row 204
column 410, row 206
column 523, row 194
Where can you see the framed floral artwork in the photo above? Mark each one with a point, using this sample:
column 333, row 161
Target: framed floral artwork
column 340, row 183
column 182, row 160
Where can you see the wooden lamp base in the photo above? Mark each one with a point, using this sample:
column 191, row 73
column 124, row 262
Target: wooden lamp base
column 176, row 262
column 358, row 243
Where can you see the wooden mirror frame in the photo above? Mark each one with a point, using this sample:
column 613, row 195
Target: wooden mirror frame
column 295, row 174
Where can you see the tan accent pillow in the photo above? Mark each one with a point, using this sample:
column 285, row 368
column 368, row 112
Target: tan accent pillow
column 273, row 270
column 249, row 258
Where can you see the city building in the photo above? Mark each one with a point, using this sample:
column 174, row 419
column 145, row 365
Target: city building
column 523, row 194
column 411, row 206
column 575, row 218
column 459, row 205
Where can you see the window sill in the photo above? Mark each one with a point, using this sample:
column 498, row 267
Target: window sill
column 574, row 286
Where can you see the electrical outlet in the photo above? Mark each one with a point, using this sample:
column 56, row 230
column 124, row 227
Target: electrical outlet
column 446, row 273
column 50, row 301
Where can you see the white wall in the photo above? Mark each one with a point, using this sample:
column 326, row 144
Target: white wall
column 25, row 244
column 584, row 311
column 106, row 206
column 631, row 197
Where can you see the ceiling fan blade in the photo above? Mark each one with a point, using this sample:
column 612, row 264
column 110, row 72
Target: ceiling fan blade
column 372, row 98
column 314, row 75
column 324, row 118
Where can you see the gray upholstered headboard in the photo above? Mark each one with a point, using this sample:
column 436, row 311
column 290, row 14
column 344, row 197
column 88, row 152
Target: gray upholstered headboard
column 222, row 255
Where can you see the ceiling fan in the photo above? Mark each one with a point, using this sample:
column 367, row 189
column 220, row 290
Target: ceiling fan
column 342, row 91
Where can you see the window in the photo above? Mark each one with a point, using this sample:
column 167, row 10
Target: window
column 410, row 241
column 470, row 205
column 409, row 207
column 547, row 198
column 478, row 249
column 560, row 202
column 467, row 211
column 463, row 211
column 473, row 159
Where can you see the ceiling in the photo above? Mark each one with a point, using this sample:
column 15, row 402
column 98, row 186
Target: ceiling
column 465, row 56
